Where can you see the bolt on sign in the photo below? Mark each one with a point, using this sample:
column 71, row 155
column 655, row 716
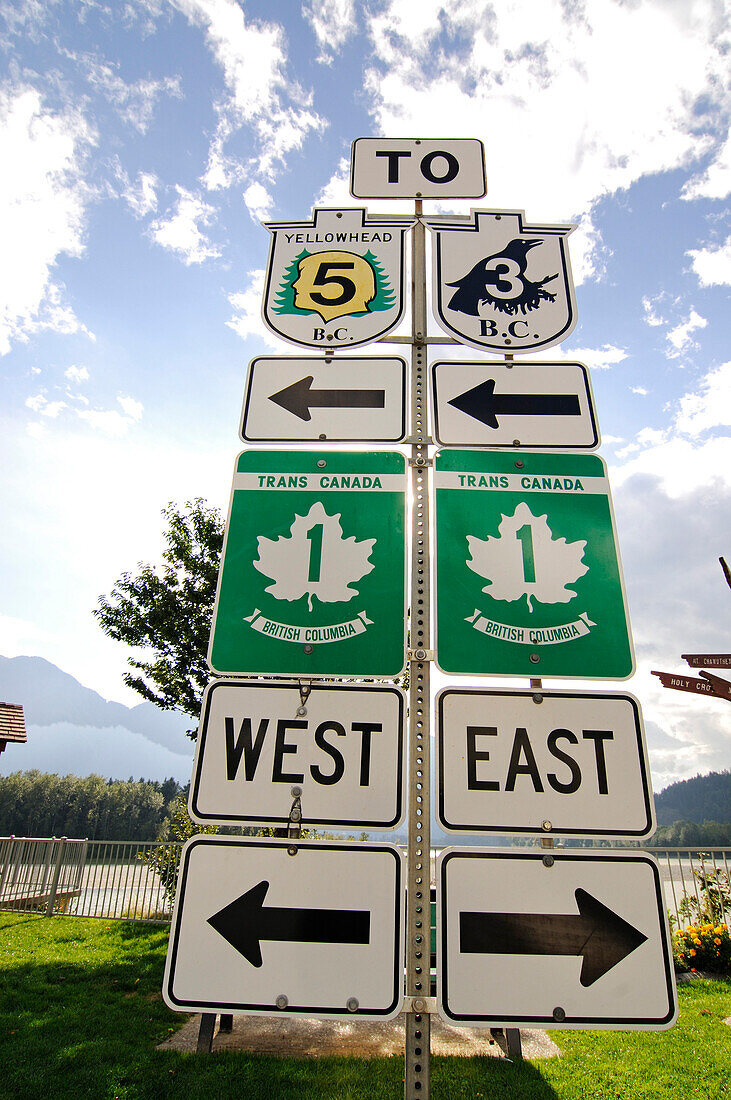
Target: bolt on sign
column 312, row 580
column 566, row 940
column 542, row 762
column 336, row 280
column 502, row 284
column 529, row 581
column 342, row 745
column 404, row 168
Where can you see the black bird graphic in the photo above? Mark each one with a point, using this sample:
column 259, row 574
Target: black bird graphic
column 505, row 272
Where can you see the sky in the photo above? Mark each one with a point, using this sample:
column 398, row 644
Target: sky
column 144, row 141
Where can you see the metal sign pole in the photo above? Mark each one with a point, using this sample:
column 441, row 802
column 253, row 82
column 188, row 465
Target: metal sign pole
column 418, row 888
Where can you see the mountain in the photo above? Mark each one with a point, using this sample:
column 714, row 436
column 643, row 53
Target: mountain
column 703, row 798
column 74, row 730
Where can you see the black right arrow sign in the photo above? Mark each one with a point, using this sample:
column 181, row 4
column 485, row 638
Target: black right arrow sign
column 596, row 933
column 483, row 404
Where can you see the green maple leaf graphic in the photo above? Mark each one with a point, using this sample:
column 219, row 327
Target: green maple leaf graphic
column 314, row 559
column 526, row 560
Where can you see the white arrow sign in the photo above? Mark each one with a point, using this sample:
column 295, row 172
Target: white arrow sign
column 289, row 399
column 292, row 928
column 478, row 404
column 549, row 762
column 342, row 747
column 559, row 939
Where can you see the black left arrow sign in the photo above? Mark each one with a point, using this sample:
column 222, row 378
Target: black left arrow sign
column 483, row 404
column 596, row 933
column 246, row 921
column 299, row 398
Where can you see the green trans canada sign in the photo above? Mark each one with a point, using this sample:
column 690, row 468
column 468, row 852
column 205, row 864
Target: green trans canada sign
column 528, row 575
column 312, row 580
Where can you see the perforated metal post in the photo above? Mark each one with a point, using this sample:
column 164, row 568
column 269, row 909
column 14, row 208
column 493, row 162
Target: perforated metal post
column 418, row 902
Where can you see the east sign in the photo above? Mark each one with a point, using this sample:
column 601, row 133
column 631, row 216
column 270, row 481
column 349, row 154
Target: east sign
column 528, row 575
column 312, row 580
column 542, row 762
column 403, row 168
column 340, row 746
column 336, row 280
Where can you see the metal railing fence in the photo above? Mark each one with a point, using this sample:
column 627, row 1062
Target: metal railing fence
column 135, row 880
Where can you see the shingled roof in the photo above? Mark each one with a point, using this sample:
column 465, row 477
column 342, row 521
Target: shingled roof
column 12, row 724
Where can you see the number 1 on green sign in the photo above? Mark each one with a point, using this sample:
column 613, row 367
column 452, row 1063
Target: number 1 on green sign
column 525, row 534
column 315, row 537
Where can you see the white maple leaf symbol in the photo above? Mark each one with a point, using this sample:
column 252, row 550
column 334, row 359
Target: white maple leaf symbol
column 525, row 560
column 314, row 559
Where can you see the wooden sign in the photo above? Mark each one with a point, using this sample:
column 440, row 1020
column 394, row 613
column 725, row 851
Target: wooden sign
column 707, row 660
column 687, row 683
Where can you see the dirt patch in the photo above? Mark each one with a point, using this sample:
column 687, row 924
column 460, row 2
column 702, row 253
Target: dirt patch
column 308, row 1038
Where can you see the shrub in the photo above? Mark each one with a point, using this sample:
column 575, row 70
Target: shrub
column 703, row 947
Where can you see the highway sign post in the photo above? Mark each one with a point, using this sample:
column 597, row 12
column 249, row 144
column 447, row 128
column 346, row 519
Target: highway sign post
column 478, row 404
column 341, row 747
column 291, row 400
column 312, row 929
column 542, row 762
column 500, row 283
column 528, row 575
column 312, row 580
column 559, row 940
column 335, row 280
column 403, row 168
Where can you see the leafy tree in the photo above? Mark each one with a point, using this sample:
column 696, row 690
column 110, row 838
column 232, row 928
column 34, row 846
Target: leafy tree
column 167, row 609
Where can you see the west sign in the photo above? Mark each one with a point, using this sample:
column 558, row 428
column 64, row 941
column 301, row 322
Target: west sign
column 341, row 746
column 528, row 574
column 542, row 763
column 500, row 283
column 312, row 580
column 336, row 280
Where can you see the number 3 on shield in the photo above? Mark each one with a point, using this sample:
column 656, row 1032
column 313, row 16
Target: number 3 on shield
column 525, row 534
column 315, row 537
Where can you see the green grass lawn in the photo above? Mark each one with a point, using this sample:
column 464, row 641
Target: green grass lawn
column 81, row 1014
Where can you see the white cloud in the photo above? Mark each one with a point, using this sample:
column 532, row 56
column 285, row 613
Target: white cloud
column 713, row 265
column 640, row 390
column 260, row 94
column 181, row 232
column 715, row 181
column 134, row 102
column 110, row 422
column 247, row 320
column 651, row 307
column 42, row 207
column 42, row 405
column 333, row 22
column 602, row 358
column 539, row 81
column 77, row 374
column 258, row 202
column 680, row 338
column 131, row 408
column 710, row 408
column 140, row 196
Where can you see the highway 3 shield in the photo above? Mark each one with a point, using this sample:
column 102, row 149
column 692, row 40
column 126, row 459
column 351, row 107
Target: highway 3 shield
column 335, row 280
column 482, row 404
column 258, row 930
column 542, row 762
column 403, row 168
column 290, row 400
column 341, row 746
column 528, row 575
column 312, row 580
column 502, row 284
column 564, row 940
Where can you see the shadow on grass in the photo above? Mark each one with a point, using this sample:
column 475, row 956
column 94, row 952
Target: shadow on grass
column 81, row 1015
